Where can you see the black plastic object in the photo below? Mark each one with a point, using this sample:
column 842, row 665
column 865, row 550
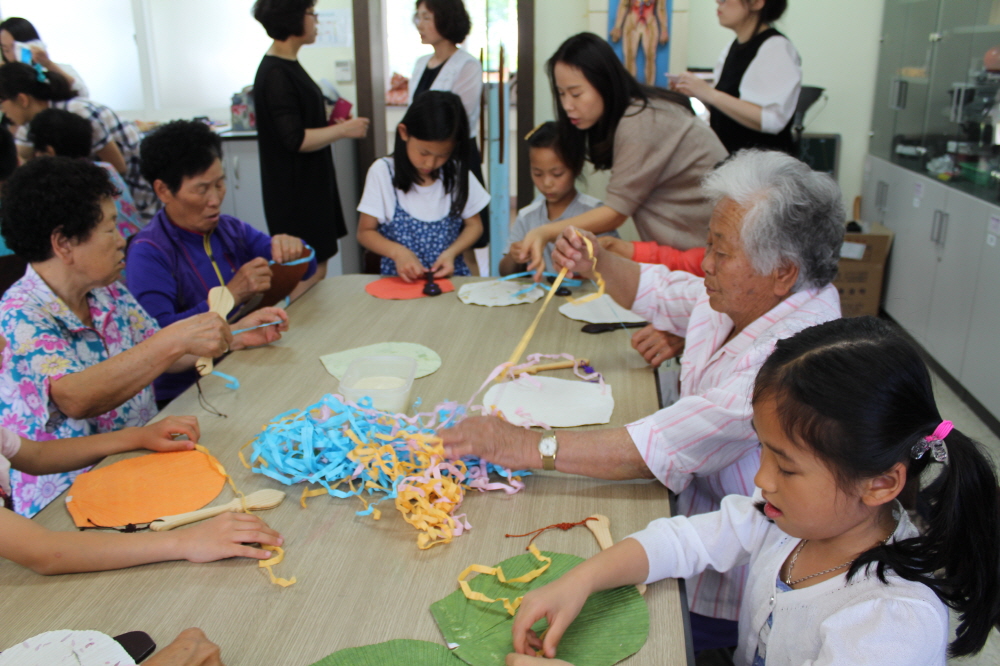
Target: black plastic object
column 431, row 288
column 563, row 291
column 603, row 328
column 138, row 644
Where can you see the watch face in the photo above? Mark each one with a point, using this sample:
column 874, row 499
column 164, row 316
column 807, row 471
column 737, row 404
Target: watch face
column 547, row 447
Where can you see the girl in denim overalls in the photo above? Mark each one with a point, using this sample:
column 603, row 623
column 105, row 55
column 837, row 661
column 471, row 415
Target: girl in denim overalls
column 420, row 208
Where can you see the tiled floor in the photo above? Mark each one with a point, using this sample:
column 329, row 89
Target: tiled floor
column 953, row 409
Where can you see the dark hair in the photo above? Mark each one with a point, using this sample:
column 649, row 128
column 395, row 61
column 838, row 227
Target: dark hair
column 859, row 395
column 770, row 12
column 436, row 115
column 618, row 88
column 282, row 18
column 451, row 19
column 546, row 135
column 18, row 77
column 20, row 29
column 65, row 132
column 178, row 150
column 8, row 155
column 51, row 194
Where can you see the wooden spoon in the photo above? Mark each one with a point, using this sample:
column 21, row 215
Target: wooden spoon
column 262, row 499
column 601, row 527
column 220, row 301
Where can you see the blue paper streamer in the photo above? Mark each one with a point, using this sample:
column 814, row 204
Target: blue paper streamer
column 231, row 382
column 296, row 262
column 254, row 328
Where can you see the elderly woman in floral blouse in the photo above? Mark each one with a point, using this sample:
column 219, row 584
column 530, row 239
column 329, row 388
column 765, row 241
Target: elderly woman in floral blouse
column 82, row 352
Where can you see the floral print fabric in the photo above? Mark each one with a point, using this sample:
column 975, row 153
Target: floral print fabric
column 46, row 341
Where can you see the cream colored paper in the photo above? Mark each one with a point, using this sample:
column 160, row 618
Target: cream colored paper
column 428, row 360
column 558, row 403
column 602, row 310
column 496, row 293
column 67, row 648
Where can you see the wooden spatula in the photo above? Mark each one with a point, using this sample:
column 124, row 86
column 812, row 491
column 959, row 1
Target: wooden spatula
column 601, row 527
column 262, row 499
column 220, row 301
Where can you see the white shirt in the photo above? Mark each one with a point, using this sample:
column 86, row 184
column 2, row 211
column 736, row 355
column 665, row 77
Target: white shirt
column 829, row 624
column 772, row 82
column 428, row 203
column 461, row 74
column 703, row 446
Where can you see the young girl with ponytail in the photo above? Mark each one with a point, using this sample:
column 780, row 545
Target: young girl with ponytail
column 838, row 574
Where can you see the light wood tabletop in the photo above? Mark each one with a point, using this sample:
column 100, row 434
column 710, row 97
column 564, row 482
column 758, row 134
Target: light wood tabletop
column 359, row 581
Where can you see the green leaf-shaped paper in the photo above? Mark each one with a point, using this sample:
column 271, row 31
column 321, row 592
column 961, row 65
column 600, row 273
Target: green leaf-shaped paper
column 401, row 652
column 612, row 625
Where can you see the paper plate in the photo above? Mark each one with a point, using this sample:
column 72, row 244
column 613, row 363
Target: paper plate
column 601, row 310
column 428, row 360
column 139, row 490
column 497, row 293
column 558, row 403
column 400, row 652
column 67, row 648
column 611, row 626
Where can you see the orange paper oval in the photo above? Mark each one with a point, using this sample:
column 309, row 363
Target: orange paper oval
column 395, row 289
column 140, row 490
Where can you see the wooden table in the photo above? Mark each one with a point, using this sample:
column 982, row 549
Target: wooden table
column 359, row 581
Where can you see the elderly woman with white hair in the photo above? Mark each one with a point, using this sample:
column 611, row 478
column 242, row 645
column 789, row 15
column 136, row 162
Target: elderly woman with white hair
column 773, row 244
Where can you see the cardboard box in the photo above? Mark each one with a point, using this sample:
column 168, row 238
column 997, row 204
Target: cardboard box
column 862, row 270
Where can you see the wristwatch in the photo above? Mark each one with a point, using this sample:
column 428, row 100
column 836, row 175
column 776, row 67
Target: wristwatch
column 548, row 448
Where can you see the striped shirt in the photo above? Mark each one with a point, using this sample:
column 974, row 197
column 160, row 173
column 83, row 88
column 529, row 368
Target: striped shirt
column 703, row 447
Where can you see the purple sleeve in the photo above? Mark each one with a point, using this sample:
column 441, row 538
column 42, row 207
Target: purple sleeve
column 151, row 280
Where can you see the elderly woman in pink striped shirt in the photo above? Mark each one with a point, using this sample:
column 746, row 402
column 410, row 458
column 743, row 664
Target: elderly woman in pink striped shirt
column 773, row 245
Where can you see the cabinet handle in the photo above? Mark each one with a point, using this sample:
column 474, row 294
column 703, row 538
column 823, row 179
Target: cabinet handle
column 881, row 196
column 935, row 226
column 958, row 104
column 943, row 229
column 897, row 95
column 236, row 171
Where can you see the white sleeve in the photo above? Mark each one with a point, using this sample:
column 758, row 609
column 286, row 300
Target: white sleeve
column 469, row 87
column 681, row 547
column 379, row 197
column 772, row 81
column 21, row 136
column 477, row 201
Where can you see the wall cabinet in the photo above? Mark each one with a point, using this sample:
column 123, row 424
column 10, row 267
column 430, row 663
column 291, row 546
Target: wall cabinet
column 943, row 271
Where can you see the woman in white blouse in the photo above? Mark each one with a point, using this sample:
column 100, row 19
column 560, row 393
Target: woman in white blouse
column 444, row 24
column 757, row 79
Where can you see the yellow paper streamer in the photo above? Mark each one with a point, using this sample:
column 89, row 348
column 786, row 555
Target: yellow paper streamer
column 267, row 564
column 598, row 278
column 511, row 606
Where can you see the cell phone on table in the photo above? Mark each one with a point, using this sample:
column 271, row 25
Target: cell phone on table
column 138, row 644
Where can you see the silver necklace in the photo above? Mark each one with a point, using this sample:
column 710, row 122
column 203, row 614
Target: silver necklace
column 791, row 565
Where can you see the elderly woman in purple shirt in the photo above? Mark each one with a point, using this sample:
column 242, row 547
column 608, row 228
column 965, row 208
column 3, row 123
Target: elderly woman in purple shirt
column 190, row 247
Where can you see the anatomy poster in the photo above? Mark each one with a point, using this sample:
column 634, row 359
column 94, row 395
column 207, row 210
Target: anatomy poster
column 639, row 32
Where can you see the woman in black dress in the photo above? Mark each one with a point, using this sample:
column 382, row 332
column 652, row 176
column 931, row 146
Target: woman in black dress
column 293, row 137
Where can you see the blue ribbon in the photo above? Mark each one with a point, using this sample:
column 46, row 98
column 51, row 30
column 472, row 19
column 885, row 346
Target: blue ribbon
column 40, row 73
column 231, row 382
column 296, row 262
column 254, row 328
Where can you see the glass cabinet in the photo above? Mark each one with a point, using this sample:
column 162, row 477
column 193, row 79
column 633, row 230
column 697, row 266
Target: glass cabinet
column 937, row 99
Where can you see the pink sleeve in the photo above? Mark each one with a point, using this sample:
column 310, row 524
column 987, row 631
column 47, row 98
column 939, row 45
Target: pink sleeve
column 666, row 298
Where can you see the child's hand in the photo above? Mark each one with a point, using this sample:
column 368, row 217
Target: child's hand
column 444, row 266
column 532, row 251
column 514, row 659
column 616, row 245
column 558, row 602
column 159, row 436
column 571, row 252
column 408, row 266
column 225, row 535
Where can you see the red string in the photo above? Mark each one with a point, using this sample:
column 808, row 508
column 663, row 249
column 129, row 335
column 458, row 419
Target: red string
column 563, row 526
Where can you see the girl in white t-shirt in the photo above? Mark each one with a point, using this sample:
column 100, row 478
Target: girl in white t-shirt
column 846, row 418
column 420, row 208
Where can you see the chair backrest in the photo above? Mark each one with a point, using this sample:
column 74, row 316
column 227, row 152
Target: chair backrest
column 12, row 269
column 807, row 97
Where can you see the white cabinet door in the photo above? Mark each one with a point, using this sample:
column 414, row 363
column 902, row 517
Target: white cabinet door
column 981, row 370
column 915, row 206
column 961, row 234
column 243, row 180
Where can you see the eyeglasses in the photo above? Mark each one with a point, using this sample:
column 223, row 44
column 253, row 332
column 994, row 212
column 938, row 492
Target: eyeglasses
column 312, row 12
column 423, row 17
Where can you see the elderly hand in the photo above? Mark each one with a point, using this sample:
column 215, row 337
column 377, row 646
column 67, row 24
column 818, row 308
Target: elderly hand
column 622, row 248
column 692, row 86
column 160, row 436
column 354, row 128
column 190, row 648
column 286, row 248
column 656, row 346
column 571, row 252
column 254, row 277
column 205, row 334
column 494, row 440
column 260, row 336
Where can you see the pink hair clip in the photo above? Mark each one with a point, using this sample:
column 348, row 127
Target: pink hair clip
column 934, row 443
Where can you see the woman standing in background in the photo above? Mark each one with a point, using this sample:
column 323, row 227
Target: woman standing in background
column 17, row 29
column 757, row 79
column 296, row 166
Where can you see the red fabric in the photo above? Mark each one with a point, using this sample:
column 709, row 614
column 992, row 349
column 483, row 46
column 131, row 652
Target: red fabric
column 672, row 258
column 395, row 289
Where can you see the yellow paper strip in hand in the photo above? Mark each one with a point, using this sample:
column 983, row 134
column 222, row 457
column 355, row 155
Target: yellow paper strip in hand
column 526, row 338
column 511, row 606
column 598, row 278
